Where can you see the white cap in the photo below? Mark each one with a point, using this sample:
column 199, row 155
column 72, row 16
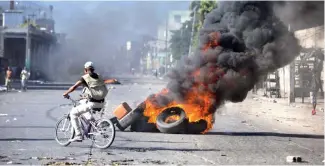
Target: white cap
column 89, row 64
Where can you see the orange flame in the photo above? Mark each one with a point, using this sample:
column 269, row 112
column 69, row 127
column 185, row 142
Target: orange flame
column 197, row 102
column 172, row 118
column 213, row 42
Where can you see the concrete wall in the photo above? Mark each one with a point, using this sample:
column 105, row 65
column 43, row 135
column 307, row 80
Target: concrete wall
column 308, row 38
column 284, row 80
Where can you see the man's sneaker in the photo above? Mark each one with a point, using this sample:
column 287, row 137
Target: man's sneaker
column 77, row 138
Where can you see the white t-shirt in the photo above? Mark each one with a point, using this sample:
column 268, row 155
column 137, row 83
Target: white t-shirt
column 24, row 74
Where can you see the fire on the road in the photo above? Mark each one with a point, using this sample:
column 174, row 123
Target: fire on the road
column 197, row 102
column 171, row 119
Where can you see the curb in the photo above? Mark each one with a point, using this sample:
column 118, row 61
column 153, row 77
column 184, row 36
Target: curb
column 275, row 101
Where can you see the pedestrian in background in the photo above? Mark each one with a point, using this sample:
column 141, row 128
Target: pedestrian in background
column 24, row 75
column 8, row 78
column 156, row 73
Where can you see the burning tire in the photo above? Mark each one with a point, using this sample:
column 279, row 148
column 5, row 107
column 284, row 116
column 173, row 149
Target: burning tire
column 142, row 125
column 172, row 120
column 196, row 127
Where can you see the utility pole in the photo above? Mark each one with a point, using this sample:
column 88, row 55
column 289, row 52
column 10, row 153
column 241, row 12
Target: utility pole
column 128, row 48
column 28, row 44
column 166, row 58
column 192, row 32
column 291, row 97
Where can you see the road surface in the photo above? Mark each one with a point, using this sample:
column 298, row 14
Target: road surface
column 239, row 136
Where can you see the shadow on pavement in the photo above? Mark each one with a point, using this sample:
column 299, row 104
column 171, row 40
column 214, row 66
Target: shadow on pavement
column 266, row 134
column 27, row 139
column 160, row 148
column 151, row 141
column 26, row 127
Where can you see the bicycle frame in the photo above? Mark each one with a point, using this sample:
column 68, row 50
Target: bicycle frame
column 95, row 126
column 86, row 125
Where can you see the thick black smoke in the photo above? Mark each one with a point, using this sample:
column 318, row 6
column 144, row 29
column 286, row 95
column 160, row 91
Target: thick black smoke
column 252, row 42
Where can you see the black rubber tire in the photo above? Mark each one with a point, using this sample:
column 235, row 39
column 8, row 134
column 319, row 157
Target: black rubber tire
column 176, row 127
column 196, row 127
column 56, row 131
column 112, row 134
column 142, row 125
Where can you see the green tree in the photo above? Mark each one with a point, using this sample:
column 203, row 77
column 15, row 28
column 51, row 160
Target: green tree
column 180, row 40
column 202, row 8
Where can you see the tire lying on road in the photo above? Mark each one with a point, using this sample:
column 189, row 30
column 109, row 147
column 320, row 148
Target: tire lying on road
column 196, row 127
column 172, row 120
column 142, row 125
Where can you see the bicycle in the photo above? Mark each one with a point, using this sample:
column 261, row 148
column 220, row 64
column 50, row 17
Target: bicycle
column 90, row 128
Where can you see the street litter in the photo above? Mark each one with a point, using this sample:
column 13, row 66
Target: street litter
column 47, row 158
column 16, row 141
column 7, row 120
column 41, row 158
column 2, row 88
column 15, row 119
column 294, row 159
column 3, row 114
column 60, row 158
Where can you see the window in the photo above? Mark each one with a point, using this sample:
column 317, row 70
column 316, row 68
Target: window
column 177, row 18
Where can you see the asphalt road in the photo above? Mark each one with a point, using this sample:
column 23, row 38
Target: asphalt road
column 27, row 136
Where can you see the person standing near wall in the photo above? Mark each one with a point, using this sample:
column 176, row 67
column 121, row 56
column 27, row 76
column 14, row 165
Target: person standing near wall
column 8, row 78
column 316, row 83
column 319, row 59
column 24, row 75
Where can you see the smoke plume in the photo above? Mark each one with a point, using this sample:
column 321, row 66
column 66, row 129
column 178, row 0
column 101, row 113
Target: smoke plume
column 98, row 31
column 239, row 43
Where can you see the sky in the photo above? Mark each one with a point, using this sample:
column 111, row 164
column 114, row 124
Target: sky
column 96, row 30
column 144, row 16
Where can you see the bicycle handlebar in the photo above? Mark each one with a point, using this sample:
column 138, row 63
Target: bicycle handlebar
column 72, row 100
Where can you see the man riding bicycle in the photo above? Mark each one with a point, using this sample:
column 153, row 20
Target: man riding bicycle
column 95, row 97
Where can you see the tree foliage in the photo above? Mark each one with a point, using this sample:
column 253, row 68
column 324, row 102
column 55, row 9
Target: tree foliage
column 202, row 8
column 180, row 40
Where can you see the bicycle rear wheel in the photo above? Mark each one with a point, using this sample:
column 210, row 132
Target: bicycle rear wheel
column 105, row 134
column 63, row 127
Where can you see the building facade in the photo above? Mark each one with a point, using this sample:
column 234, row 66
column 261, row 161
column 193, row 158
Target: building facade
column 310, row 39
column 174, row 21
column 26, row 41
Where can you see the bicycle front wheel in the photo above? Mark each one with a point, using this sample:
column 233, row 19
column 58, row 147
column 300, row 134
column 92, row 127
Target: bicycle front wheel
column 105, row 134
column 64, row 131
